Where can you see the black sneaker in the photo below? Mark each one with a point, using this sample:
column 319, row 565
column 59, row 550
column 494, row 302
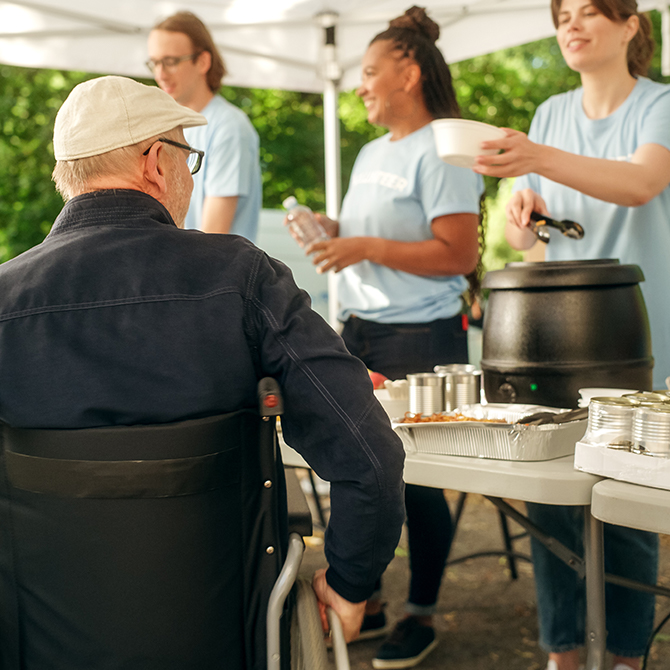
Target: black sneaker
column 374, row 625
column 407, row 646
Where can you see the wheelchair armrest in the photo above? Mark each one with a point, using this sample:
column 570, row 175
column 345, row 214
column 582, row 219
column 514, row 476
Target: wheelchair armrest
column 299, row 516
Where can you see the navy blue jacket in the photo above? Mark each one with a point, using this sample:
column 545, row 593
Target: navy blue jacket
column 121, row 318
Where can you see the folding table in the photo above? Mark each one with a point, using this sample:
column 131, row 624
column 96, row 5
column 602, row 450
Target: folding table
column 631, row 505
column 553, row 482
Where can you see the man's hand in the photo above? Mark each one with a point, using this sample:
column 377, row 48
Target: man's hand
column 351, row 614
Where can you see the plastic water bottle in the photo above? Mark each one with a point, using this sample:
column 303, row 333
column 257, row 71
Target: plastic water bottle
column 302, row 223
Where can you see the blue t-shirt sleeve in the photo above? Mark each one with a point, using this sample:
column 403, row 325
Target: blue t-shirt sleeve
column 446, row 189
column 229, row 161
column 655, row 126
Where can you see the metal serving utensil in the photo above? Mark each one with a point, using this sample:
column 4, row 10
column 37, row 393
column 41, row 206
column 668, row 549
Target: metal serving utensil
column 541, row 418
column 569, row 228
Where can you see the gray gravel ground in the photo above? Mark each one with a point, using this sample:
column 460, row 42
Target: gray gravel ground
column 485, row 620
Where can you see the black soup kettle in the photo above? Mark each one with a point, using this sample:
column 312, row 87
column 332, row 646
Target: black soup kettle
column 552, row 328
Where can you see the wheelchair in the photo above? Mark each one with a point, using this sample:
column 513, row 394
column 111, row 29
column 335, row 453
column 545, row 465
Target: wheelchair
column 149, row 547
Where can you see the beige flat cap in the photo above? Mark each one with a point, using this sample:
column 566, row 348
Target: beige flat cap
column 113, row 112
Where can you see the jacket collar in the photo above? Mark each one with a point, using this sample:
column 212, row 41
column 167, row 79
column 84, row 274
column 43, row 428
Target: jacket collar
column 113, row 206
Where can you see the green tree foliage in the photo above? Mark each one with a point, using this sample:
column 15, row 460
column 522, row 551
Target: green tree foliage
column 29, row 100
column 290, row 126
column 503, row 89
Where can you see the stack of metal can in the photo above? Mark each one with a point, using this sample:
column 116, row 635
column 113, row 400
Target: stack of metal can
column 636, row 422
column 444, row 389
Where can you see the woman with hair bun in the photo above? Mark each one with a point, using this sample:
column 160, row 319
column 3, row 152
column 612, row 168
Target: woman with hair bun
column 599, row 155
column 407, row 236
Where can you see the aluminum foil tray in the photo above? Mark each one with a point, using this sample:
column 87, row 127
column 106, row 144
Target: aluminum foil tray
column 502, row 441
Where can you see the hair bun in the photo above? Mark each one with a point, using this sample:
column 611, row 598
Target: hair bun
column 415, row 18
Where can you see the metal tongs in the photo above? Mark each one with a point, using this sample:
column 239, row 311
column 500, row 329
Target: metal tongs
column 570, row 229
column 541, row 418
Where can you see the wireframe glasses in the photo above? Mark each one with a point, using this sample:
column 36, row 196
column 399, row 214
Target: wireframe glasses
column 169, row 62
column 195, row 156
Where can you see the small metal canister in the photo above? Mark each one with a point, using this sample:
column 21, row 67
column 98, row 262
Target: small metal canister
column 426, row 393
column 462, row 385
column 648, row 398
column 651, row 430
column 611, row 422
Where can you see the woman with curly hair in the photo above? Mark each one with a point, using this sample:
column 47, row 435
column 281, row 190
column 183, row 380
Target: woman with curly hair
column 407, row 237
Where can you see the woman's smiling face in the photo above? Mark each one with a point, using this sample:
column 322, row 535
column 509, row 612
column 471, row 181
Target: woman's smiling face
column 381, row 76
column 589, row 41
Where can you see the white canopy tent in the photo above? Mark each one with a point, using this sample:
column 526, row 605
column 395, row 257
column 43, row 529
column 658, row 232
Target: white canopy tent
column 266, row 43
column 303, row 45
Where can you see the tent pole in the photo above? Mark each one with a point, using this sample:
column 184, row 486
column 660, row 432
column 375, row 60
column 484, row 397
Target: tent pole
column 333, row 177
column 332, row 73
column 665, row 41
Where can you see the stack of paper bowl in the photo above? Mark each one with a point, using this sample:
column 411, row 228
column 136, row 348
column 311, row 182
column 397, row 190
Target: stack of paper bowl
column 394, row 398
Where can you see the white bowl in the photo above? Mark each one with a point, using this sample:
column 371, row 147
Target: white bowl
column 594, row 392
column 458, row 140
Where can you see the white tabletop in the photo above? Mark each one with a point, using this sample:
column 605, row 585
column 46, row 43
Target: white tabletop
column 554, row 482
column 632, row 505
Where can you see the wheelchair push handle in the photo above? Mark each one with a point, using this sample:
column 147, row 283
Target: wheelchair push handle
column 270, row 401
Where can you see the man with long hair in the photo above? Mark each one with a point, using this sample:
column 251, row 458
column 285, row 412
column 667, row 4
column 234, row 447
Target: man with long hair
column 186, row 64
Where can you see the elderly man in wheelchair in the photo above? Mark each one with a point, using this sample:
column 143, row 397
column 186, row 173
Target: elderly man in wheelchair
column 142, row 503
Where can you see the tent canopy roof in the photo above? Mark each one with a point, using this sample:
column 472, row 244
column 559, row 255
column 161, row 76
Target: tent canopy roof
column 266, row 43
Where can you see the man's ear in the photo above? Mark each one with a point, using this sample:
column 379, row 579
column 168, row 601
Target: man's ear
column 154, row 171
column 204, row 62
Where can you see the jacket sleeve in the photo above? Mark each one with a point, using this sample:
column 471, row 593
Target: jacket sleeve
column 333, row 420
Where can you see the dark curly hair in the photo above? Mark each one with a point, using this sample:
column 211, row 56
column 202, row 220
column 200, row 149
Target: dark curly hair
column 414, row 35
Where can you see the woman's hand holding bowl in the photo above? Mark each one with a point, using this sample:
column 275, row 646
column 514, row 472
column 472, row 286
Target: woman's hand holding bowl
column 519, row 156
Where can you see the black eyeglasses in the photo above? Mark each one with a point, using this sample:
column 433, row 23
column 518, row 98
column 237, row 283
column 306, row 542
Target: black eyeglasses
column 195, row 156
column 170, row 62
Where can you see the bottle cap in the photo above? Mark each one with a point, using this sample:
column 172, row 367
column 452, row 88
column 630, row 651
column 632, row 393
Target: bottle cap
column 290, row 202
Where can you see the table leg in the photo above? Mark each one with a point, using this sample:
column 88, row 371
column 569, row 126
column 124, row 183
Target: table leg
column 595, row 591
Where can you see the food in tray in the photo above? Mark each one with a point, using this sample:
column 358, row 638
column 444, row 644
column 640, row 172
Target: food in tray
column 441, row 417
column 492, row 431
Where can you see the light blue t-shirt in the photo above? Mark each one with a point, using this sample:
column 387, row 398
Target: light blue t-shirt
column 396, row 190
column 634, row 235
column 230, row 168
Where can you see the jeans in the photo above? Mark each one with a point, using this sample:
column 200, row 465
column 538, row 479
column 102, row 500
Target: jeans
column 396, row 350
column 561, row 598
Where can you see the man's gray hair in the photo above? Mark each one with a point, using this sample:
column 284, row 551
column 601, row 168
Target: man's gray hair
column 74, row 177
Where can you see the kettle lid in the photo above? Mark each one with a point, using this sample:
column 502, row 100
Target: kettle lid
column 548, row 274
